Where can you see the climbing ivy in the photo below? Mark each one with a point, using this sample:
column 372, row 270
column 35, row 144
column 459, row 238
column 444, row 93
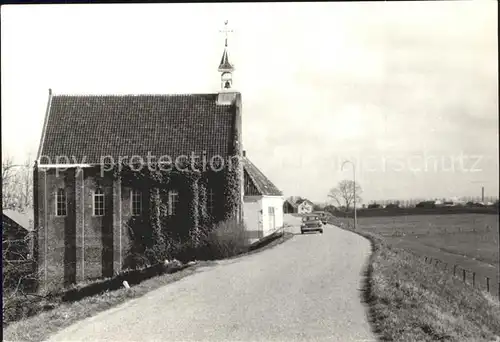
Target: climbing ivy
column 159, row 235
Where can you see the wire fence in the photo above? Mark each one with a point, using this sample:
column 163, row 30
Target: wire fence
column 473, row 278
column 437, row 231
column 467, row 276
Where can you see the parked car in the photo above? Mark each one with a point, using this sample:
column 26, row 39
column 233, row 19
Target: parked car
column 323, row 216
column 311, row 223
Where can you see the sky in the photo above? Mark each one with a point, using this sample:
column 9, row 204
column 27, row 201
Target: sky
column 406, row 91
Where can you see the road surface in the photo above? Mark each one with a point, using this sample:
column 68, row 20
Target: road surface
column 306, row 289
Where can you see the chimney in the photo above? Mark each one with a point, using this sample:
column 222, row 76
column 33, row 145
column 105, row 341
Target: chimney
column 226, row 98
column 244, row 153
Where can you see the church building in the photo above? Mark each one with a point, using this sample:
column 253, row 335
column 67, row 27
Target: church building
column 86, row 217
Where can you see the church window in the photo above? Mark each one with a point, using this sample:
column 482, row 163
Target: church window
column 61, row 203
column 210, row 201
column 136, row 202
column 98, row 202
column 173, row 200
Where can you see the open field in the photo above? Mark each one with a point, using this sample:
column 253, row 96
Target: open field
column 410, row 300
column 467, row 240
column 425, row 211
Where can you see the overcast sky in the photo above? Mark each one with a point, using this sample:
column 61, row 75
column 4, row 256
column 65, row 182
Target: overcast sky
column 407, row 91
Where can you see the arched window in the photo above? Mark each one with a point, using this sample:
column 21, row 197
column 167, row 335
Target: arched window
column 98, row 202
column 227, row 85
column 61, row 202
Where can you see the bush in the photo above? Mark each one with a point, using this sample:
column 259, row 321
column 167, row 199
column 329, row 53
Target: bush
column 227, row 239
column 184, row 251
column 426, row 204
column 17, row 275
column 18, row 306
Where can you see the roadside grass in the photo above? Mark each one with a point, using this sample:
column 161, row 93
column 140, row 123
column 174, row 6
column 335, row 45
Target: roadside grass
column 467, row 240
column 62, row 314
column 41, row 326
column 410, row 300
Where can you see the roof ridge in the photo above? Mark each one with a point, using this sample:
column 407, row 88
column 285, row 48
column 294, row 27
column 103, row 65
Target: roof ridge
column 125, row 95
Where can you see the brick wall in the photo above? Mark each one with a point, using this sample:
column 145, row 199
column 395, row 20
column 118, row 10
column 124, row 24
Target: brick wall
column 56, row 236
column 81, row 245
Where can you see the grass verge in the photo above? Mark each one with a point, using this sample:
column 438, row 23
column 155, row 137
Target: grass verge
column 410, row 300
column 63, row 314
column 41, row 326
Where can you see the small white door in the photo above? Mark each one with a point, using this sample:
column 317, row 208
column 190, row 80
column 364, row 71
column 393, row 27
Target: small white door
column 253, row 219
column 272, row 219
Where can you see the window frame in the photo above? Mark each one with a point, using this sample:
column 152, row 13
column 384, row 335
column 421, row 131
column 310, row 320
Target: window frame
column 137, row 196
column 210, row 204
column 57, row 198
column 172, row 204
column 95, row 195
column 271, row 213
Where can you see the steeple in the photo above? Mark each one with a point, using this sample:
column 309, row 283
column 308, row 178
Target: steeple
column 225, row 67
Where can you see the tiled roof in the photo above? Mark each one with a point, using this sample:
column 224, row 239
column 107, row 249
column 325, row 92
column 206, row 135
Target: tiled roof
column 300, row 201
column 91, row 126
column 24, row 219
column 291, row 203
column 256, row 183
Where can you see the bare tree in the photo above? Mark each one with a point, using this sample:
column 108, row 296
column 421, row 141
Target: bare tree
column 19, row 275
column 17, row 184
column 343, row 193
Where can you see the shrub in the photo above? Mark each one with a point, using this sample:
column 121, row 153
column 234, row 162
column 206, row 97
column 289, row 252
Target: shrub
column 184, row 251
column 426, row 204
column 228, row 238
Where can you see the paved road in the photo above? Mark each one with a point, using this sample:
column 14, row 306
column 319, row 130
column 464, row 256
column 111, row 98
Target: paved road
column 306, row 289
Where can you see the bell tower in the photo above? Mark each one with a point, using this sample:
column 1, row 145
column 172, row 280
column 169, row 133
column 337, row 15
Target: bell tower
column 225, row 67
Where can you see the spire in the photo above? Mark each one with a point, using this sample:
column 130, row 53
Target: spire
column 225, row 65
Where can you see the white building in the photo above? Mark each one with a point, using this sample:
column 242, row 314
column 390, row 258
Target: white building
column 304, row 206
column 263, row 203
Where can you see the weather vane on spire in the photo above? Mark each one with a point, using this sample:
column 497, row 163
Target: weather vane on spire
column 226, row 31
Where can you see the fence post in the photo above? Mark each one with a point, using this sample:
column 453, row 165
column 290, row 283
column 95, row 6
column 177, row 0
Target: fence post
column 473, row 279
column 488, row 284
column 464, row 275
column 454, row 270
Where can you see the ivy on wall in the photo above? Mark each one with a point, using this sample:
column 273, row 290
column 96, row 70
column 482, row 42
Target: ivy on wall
column 157, row 236
column 232, row 190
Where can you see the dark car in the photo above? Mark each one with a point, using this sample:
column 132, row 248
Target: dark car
column 311, row 223
column 323, row 216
